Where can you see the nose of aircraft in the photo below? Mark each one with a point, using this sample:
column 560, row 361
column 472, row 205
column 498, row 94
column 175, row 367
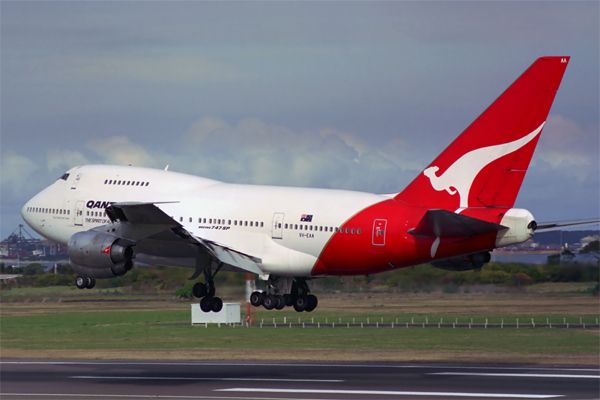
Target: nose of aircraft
column 26, row 213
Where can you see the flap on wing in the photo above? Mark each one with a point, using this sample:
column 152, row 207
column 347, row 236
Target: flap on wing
column 446, row 224
column 142, row 220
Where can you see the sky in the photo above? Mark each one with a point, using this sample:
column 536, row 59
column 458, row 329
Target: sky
column 345, row 95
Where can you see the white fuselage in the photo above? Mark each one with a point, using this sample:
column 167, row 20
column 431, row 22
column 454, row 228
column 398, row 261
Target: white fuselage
column 285, row 227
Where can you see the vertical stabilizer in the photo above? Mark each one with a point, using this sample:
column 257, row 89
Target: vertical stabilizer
column 486, row 164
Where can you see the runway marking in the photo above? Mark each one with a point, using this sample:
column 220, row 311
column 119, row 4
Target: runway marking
column 146, row 396
column 312, row 365
column 183, row 378
column 515, row 375
column 393, row 393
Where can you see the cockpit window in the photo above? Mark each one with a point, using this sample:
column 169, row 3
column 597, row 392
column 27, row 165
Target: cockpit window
column 64, row 177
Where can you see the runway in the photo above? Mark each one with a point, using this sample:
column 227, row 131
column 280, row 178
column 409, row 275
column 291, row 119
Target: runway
column 116, row 380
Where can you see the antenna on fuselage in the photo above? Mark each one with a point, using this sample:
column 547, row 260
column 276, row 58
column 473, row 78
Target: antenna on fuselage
column 167, row 167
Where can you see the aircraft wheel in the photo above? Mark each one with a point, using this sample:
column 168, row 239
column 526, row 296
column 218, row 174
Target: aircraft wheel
column 256, row 299
column 199, row 290
column 288, row 300
column 90, row 283
column 81, row 282
column 312, row 302
column 217, row 304
column 206, row 304
column 300, row 303
column 269, row 302
column 279, row 302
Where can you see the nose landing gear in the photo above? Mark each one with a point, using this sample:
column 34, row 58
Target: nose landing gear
column 83, row 282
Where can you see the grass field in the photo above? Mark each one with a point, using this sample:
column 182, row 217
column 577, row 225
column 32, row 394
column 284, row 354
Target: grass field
column 114, row 326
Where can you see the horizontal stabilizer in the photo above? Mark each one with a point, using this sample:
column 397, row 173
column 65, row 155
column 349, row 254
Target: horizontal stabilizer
column 446, row 224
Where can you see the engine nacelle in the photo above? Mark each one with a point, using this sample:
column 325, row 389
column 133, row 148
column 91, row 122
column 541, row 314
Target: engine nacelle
column 99, row 255
column 467, row 263
column 521, row 226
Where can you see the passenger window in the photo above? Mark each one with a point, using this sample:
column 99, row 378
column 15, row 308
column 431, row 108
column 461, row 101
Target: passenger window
column 261, row 224
column 180, row 219
column 190, row 219
column 358, row 231
column 204, row 220
column 68, row 212
column 352, row 231
column 137, row 184
column 228, row 222
column 106, row 181
column 147, row 183
column 296, row 226
column 286, row 225
column 336, row 228
column 87, row 213
column 245, row 223
column 250, row 223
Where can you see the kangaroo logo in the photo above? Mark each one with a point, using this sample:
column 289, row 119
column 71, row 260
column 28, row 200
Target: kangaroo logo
column 460, row 176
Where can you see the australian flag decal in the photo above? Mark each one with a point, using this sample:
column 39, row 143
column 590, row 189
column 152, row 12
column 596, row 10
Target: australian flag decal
column 306, row 218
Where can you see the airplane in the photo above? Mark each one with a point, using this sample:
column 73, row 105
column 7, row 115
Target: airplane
column 452, row 214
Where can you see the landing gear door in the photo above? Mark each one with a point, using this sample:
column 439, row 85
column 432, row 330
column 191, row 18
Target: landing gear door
column 79, row 213
column 277, row 227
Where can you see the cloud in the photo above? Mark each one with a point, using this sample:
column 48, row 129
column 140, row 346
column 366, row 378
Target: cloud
column 568, row 147
column 64, row 159
column 16, row 174
column 121, row 151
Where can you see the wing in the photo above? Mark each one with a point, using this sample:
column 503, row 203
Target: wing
column 140, row 221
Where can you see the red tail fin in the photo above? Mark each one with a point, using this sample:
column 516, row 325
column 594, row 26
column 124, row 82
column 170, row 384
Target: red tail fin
column 486, row 164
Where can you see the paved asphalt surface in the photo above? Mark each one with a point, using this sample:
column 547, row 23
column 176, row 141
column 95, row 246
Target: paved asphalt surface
column 74, row 380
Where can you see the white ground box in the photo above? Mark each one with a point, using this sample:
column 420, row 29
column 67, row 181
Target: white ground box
column 230, row 314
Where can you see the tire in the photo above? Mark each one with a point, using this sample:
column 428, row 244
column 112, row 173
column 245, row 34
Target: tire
column 81, row 282
column 288, row 300
column 300, row 303
column 206, row 304
column 256, row 299
column 279, row 302
column 90, row 283
column 312, row 302
column 217, row 304
column 269, row 302
column 199, row 290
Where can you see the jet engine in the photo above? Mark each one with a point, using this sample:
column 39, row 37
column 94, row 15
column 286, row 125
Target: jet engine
column 465, row 263
column 100, row 255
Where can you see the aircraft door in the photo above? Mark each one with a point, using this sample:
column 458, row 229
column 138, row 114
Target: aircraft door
column 79, row 213
column 76, row 181
column 277, row 226
column 379, row 226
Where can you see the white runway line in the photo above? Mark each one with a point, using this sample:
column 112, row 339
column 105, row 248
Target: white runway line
column 393, row 393
column 140, row 396
column 185, row 378
column 516, row 375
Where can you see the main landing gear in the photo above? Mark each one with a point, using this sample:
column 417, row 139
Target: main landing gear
column 275, row 297
column 206, row 292
column 83, row 282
